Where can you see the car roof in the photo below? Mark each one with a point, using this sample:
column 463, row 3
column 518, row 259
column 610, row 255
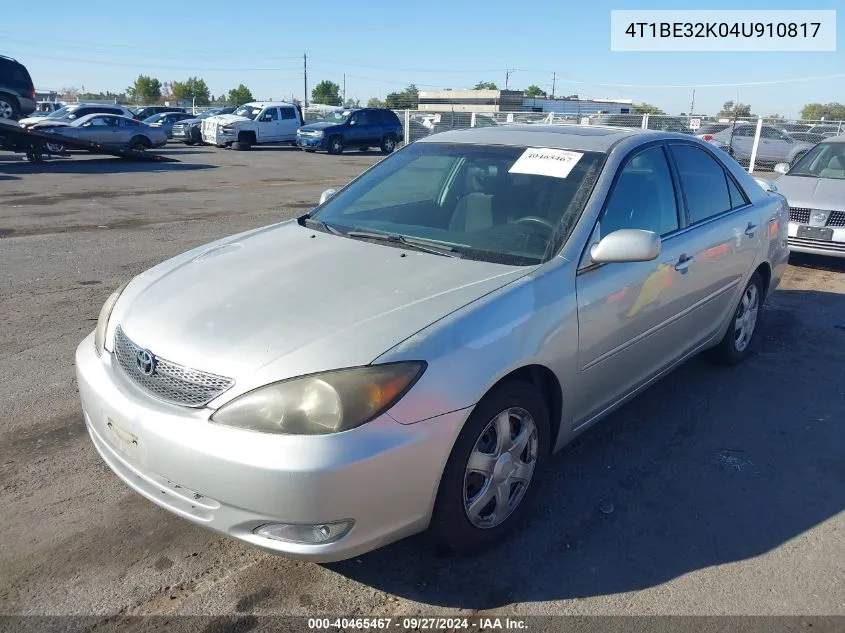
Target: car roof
column 588, row 138
column 268, row 104
column 835, row 139
column 95, row 115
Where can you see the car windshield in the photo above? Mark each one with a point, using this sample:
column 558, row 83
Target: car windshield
column 61, row 112
column 250, row 112
column 338, row 116
column 485, row 202
column 156, row 117
column 209, row 113
column 825, row 160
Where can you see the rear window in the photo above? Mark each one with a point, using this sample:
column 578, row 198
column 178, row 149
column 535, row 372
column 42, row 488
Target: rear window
column 15, row 74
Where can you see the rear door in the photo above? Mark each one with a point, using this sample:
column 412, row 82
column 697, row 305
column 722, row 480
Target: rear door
column 268, row 125
column 288, row 123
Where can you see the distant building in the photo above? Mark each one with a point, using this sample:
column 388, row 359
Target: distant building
column 516, row 101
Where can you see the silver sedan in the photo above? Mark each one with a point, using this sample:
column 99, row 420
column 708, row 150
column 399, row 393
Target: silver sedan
column 106, row 129
column 409, row 354
column 815, row 189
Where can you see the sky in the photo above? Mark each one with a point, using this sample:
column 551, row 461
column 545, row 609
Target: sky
column 383, row 46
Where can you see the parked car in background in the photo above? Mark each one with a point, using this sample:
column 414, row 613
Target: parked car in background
column 17, row 92
column 706, row 131
column 828, row 129
column 459, row 121
column 166, row 120
column 775, row 146
column 46, row 107
column 484, row 296
column 188, row 130
column 253, row 123
column 655, row 122
column 107, row 129
column 147, row 111
column 808, row 137
column 70, row 113
column 815, row 189
column 358, row 129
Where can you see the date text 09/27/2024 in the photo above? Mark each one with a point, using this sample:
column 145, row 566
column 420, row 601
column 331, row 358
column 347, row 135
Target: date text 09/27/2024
column 418, row 624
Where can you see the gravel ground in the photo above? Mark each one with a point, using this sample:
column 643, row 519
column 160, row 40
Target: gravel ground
column 716, row 492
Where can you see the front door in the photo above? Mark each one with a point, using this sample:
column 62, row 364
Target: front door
column 268, row 125
column 360, row 130
column 102, row 129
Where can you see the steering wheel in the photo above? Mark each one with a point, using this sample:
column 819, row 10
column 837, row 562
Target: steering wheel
column 536, row 219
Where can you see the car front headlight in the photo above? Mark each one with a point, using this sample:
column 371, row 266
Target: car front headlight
column 103, row 319
column 317, row 133
column 319, row 404
column 228, row 129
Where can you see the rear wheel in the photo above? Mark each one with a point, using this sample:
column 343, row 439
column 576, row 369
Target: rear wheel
column 54, row 148
column 9, row 107
column 140, row 144
column 335, row 145
column 736, row 345
column 388, row 144
column 490, row 475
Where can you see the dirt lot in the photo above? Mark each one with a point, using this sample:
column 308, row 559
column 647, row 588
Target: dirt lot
column 716, row 492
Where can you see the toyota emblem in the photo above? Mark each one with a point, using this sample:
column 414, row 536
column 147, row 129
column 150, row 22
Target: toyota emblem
column 146, row 362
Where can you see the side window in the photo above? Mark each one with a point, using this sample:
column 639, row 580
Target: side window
column 743, row 130
column 288, row 113
column 131, row 123
column 770, row 132
column 738, row 198
column 703, row 181
column 361, row 118
column 271, row 114
column 643, row 196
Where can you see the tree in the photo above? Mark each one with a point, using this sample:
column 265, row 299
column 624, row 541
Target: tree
column 375, row 102
column 191, row 89
column 646, row 108
column 485, row 85
column 240, row 95
column 326, row 92
column 828, row 111
column 534, row 91
column 352, row 103
column 408, row 99
column 146, row 89
column 731, row 110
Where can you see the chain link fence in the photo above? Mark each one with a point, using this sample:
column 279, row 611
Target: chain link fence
column 758, row 144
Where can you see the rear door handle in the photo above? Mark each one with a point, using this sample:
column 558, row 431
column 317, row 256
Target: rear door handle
column 750, row 229
column 684, row 263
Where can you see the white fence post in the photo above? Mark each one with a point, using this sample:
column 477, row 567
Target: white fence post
column 472, row 120
column 754, row 147
column 645, row 121
column 407, row 126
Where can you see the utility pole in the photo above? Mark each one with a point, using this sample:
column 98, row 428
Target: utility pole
column 344, row 88
column 692, row 103
column 305, row 78
column 554, row 77
column 508, row 74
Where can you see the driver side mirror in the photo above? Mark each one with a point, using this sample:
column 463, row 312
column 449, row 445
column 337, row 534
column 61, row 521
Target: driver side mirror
column 781, row 168
column 626, row 245
column 328, row 193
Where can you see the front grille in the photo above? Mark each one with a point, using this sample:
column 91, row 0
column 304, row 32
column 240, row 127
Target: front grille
column 170, row 382
column 802, row 216
column 831, row 247
column 836, row 218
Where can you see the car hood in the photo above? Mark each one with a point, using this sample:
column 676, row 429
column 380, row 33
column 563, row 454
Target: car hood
column 319, row 125
column 813, row 193
column 52, row 123
column 225, row 119
column 285, row 301
column 31, row 120
column 192, row 121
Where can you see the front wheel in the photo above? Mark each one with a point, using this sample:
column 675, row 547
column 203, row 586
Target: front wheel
column 54, row 148
column 736, row 345
column 140, row 144
column 388, row 144
column 335, row 145
column 490, row 475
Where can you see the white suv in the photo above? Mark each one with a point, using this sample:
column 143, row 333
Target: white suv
column 253, row 124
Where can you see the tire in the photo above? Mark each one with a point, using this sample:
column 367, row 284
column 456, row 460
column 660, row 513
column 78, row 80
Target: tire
column 735, row 347
column 388, row 144
column 140, row 144
column 9, row 109
column 451, row 525
column 54, row 148
column 242, row 146
column 335, row 145
column 189, row 142
column 310, row 151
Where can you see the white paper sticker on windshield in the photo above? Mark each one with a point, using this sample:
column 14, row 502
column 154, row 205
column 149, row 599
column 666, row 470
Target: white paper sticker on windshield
column 539, row 161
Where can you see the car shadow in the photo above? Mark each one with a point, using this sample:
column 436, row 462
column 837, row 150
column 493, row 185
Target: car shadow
column 818, row 262
column 710, row 466
column 99, row 165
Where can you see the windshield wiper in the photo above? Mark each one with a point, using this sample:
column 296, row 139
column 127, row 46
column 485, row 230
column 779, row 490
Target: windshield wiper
column 420, row 244
column 307, row 221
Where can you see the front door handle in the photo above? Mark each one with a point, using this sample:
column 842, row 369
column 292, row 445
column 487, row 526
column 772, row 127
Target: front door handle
column 750, row 229
column 684, row 263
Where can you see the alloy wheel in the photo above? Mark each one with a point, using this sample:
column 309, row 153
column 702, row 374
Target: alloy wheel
column 6, row 110
column 746, row 318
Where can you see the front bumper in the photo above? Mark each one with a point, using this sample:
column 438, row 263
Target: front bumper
column 311, row 142
column 832, row 248
column 383, row 475
column 219, row 137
